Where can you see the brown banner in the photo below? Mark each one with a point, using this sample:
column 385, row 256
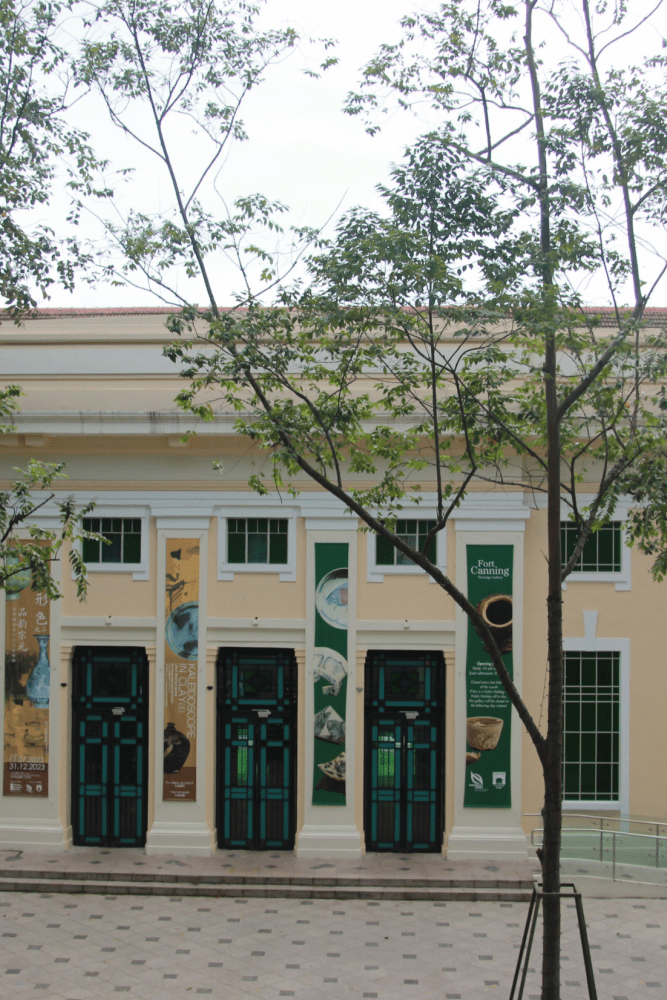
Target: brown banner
column 27, row 688
column 180, row 670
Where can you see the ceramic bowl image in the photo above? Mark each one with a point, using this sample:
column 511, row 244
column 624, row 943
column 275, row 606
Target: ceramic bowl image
column 331, row 598
column 182, row 630
column 484, row 732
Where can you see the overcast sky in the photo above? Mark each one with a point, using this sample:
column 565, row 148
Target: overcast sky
column 302, row 149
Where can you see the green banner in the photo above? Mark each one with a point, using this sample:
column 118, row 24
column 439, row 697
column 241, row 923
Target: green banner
column 489, row 710
column 330, row 673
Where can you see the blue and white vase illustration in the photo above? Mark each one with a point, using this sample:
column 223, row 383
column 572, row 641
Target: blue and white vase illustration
column 39, row 682
column 17, row 581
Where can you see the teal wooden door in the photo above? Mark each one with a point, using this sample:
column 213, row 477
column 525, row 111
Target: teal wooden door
column 256, row 748
column 404, row 752
column 109, row 752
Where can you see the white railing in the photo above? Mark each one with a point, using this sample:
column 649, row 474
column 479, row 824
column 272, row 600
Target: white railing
column 601, row 819
column 620, row 847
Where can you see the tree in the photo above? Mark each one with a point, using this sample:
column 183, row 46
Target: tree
column 160, row 66
column 461, row 311
column 35, row 554
column 35, row 142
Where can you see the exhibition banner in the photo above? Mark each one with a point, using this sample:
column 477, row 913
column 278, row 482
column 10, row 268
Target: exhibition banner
column 27, row 688
column 330, row 672
column 489, row 710
column 180, row 670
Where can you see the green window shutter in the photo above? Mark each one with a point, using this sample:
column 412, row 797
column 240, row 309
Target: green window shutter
column 384, row 552
column 91, row 550
column 278, row 549
column 258, row 547
column 131, row 547
column 235, row 546
column 112, row 553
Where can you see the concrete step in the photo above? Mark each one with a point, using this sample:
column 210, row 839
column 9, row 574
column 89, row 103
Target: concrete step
column 316, row 889
column 222, row 879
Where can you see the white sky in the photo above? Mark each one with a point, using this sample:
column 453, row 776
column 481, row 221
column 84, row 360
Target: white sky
column 302, row 149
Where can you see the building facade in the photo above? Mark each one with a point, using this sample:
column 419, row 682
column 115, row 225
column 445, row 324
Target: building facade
column 257, row 672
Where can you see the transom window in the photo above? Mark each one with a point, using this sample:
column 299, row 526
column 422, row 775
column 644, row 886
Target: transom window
column 123, row 535
column 591, row 726
column 257, row 540
column 602, row 551
column 412, row 531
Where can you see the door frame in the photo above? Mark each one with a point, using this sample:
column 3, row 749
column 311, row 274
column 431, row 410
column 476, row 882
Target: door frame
column 77, row 661
column 370, row 715
column 292, row 689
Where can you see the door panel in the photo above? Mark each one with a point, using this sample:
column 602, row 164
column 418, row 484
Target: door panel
column 404, row 751
column 256, row 748
column 110, row 739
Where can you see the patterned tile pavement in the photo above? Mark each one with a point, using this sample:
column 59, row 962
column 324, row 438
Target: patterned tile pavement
column 85, row 948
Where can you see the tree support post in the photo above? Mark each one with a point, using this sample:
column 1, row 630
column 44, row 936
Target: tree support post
column 529, row 934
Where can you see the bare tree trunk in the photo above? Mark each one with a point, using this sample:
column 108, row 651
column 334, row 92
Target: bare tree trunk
column 552, row 763
column 552, row 770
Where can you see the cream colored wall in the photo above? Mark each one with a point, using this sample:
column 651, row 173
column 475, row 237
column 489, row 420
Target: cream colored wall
column 261, row 595
column 399, row 597
column 635, row 615
column 115, row 594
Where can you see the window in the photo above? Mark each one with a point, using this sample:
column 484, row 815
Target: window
column 123, row 535
column 602, row 551
column 411, row 531
column 257, row 540
column 591, row 703
column 257, row 544
column 383, row 559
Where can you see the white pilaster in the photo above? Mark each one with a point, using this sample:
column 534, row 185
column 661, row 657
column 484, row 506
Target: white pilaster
column 181, row 827
column 480, row 833
column 330, row 831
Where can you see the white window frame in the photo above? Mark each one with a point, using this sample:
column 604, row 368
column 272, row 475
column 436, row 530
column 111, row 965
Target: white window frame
column 140, row 570
column 623, row 578
column 285, row 571
column 376, row 573
column 591, row 644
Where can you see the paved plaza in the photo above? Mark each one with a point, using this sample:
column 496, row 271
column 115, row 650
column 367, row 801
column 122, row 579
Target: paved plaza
column 81, row 947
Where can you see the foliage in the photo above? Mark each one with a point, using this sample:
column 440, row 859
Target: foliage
column 35, row 140
column 156, row 66
column 446, row 342
column 26, row 545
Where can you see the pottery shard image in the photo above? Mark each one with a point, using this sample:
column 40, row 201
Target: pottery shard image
column 330, row 666
column 334, row 769
column 329, row 726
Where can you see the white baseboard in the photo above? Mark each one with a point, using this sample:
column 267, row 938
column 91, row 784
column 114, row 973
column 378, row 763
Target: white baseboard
column 470, row 843
column 45, row 835
column 187, row 839
column 329, row 841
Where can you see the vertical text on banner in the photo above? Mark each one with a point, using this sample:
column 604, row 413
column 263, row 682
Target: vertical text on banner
column 181, row 651
column 27, row 687
column 489, row 710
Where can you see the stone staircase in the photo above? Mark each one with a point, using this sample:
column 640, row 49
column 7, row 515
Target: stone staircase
column 285, row 886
